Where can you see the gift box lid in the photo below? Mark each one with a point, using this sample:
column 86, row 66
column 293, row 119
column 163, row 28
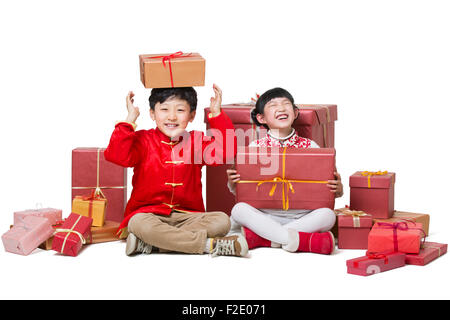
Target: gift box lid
column 357, row 221
column 310, row 114
column 366, row 179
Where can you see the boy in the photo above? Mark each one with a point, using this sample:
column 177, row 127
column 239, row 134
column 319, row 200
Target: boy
column 166, row 208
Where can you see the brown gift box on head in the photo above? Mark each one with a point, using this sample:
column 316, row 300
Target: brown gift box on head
column 315, row 122
column 92, row 173
column 172, row 70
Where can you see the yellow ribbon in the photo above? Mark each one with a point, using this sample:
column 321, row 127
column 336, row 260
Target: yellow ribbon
column 368, row 174
column 98, row 193
column 287, row 183
column 355, row 214
column 69, row 231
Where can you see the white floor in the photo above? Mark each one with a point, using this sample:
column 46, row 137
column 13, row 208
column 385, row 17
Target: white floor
column 103, row 271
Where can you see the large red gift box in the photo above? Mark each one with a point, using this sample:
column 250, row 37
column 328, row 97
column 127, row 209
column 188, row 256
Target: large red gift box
column 72, row 235
column 353, row 228
column 92, row 173
column 373, row 263
column 285, row 178
column 315, row 122
column 373, row 192
column 397, row 236
column 429, row 252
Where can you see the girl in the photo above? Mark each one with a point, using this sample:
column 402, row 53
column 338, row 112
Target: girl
column 295, row 229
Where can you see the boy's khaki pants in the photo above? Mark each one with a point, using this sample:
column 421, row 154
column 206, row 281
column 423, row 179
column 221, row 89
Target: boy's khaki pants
column 180, row 231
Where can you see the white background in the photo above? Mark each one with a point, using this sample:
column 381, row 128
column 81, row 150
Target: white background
column 66, row 67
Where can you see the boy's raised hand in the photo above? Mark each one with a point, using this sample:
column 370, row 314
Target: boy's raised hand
column 216, row 101
column 133, row 112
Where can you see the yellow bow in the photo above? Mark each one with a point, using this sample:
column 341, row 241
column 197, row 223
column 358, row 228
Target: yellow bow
column 368, row 174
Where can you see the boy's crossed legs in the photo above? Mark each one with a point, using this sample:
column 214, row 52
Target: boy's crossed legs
column 196, row 232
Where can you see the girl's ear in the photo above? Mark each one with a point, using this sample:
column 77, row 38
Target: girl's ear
column 260, row 118
column 296, row 113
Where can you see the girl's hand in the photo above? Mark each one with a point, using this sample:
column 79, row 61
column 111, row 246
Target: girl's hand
column 233, row 178
column 336, row 185
column 133, row 112
column 216, row 101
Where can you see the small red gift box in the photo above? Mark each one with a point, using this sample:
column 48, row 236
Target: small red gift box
column 283, row 178
column 373, row 263
column 397, row 236
column 92, row 173
column 73, row 233
column 429, row 252
column 315, row 122
column 373, row 192
column 353, row 229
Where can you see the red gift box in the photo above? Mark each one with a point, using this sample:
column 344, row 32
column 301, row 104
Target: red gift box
column 92, row 173
column 397, row 236
column 285, row 178
column 375, row 263
column 353, row 229
column 73, row 233
column 315, row 122
column 429, row 252
column 373, row 192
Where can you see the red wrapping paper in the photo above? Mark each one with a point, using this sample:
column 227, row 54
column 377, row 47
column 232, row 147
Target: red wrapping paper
column 354, row 229
column 429, row 252
column 397, row 236
column 305, row 173
column 90, row 170
column 315, row 122
column 375, row 263
column 72, row 234
column 373, row 194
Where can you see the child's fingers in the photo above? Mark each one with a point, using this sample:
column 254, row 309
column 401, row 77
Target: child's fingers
column 332, row 186
column 231, row 171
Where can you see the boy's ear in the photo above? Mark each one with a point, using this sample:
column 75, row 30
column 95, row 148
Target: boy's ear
column 296, row 113
column 152, row 114
column 260, row 118
column 192, row 115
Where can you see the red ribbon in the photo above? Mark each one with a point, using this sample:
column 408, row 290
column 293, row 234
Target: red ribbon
column 371, row 256
column 91, row 199
column 398, row 226
column 168, row 58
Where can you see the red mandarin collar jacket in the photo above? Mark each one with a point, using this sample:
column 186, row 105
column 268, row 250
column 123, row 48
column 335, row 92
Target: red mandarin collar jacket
column 167, row 174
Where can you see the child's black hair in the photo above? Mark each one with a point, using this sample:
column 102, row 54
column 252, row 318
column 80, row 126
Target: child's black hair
column 184, row 93
column 265, row 98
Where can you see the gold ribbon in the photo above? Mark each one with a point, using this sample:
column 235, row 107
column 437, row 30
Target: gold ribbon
column 355, row 214
column 426, row 245
column 69, row 231
column 287, row 183
column 98, row 193
column 368, row 174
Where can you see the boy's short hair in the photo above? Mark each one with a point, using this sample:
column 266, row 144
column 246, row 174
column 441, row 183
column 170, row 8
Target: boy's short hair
column 265, row 98
column 184, row 93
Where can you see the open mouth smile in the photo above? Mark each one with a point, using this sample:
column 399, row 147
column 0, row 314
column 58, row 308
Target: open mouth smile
column 282, row 116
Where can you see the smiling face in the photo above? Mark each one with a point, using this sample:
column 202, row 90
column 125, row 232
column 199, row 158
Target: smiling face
column 172, row 116
column 279, row 115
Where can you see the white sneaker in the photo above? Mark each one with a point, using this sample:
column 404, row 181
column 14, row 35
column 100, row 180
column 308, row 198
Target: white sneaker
column 136, row 245
column 234, row 245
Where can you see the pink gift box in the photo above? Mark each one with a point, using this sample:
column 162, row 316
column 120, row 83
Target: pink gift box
column 373, row 192
column 375, row 263
column 27, row 235
column 429, row 252
column 353, row 229
column 53, row 215
column 397, row 236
